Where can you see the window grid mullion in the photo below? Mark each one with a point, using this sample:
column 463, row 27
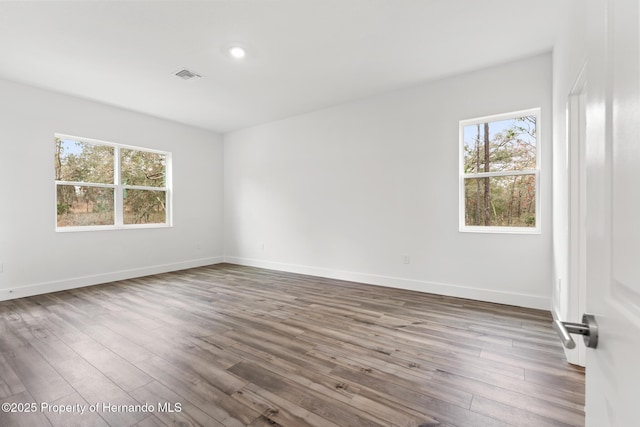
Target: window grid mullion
column 85, row 184
column 143, row 187
column 500, row 173
column 119, row 194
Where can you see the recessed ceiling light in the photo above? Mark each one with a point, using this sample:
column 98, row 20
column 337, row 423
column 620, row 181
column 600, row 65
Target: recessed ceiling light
column 237, row 52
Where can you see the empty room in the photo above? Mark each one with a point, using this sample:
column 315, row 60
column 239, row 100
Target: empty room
column 319, row 213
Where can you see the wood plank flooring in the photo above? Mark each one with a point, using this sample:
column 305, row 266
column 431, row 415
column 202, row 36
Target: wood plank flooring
column 227, row 345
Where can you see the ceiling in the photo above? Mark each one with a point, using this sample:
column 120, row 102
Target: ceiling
column 302, row 55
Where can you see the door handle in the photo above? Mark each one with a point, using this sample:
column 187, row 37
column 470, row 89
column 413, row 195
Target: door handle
column 588, row 329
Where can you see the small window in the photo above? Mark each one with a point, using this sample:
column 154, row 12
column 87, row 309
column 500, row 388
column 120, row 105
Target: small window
column 102, row 185
column 499, row 173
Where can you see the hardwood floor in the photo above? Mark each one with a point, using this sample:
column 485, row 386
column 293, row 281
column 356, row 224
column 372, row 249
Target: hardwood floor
column 236, row 346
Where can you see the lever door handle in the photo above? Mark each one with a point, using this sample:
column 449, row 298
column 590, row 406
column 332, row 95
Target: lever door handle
column 588, row 329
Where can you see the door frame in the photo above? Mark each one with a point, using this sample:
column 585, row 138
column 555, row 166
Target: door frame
column 577, row 194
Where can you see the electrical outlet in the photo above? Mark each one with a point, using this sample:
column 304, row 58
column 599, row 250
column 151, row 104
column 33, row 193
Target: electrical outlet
column 406, row 259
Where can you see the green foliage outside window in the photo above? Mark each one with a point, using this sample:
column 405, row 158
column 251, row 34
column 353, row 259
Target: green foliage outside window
column 500, row 161
column 142, row 184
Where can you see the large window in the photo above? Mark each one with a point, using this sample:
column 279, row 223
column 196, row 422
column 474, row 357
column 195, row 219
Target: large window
column 499, row 178
column 102, row 185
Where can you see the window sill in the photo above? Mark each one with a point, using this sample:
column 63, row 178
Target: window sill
column 110, row 228
column 500, row 230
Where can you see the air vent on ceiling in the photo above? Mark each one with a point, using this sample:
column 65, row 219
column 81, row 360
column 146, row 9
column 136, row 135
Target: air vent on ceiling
column 187, row 74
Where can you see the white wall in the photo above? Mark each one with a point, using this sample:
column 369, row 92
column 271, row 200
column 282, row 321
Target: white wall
column 345, row 192
column 35, row 258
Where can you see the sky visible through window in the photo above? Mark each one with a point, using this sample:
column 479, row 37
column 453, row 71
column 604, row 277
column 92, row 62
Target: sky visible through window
column 471, row 131
column 70, row 146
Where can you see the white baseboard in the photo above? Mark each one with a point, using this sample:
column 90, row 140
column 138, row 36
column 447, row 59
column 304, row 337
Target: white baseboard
column 510, row 298
column 479, row 294
column 79, row 282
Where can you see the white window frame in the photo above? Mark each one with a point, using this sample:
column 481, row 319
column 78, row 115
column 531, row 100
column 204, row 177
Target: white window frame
column 118, row 189
column 536, row 172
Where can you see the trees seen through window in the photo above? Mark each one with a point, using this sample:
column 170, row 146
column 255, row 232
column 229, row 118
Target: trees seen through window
column 500, row 171
column 103, row 184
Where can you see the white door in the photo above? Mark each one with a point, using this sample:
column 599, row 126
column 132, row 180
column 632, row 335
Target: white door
column 613, row 212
